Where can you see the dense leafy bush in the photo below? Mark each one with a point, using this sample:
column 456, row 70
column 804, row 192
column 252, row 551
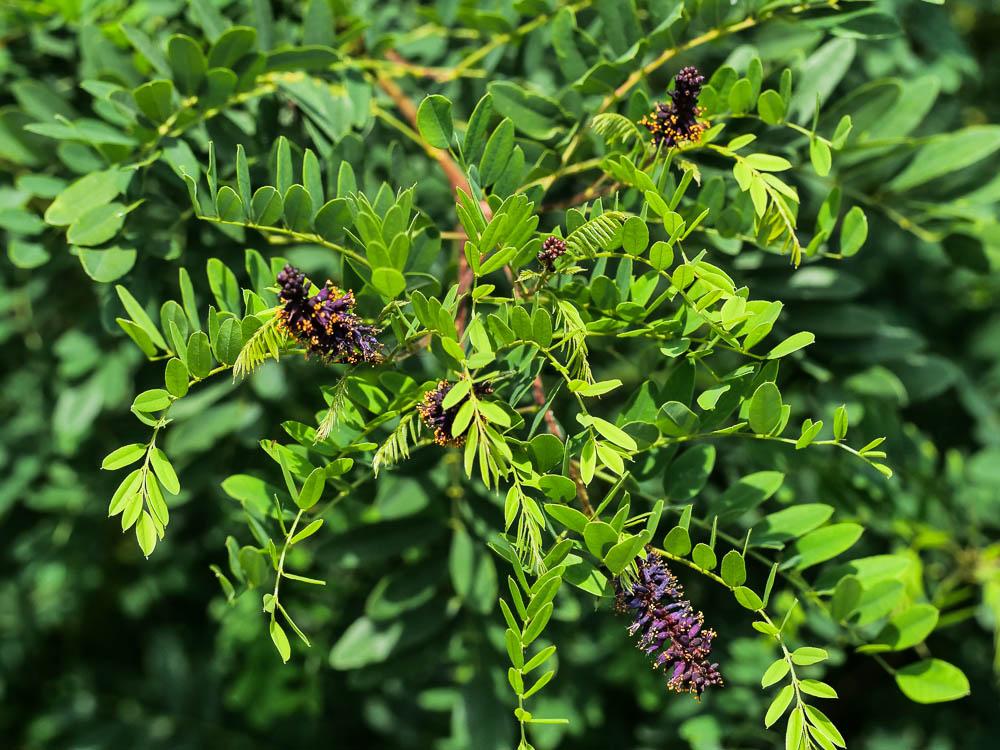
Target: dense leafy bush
column 624, row 299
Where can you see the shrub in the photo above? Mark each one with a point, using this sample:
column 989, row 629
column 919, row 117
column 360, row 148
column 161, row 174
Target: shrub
column 449, row 332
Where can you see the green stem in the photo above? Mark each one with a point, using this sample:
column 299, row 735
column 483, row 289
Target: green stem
column 502, row 39
column 284, row 550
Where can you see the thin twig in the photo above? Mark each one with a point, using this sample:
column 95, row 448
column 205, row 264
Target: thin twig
column 454, row 174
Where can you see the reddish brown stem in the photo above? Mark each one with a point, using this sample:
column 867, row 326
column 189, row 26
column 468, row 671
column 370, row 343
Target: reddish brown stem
column 538, row 391
column 408, row 109
column 455, row 176
column 458, row 181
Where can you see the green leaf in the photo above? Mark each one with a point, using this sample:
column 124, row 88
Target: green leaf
column 280, row 641
column 843, row 130
column 810, row 430
column 284, row 174
column 145, row 533
column 434, row 121
column 538, row 659
column 687, row 475
column 243, row 180
column 267, row 206
column 748, row 598
column 557, row 487
column 155, row 99
column 854, row 232
column 765, row 408
column 620, row 23
column 187, row 63
column 820, row 74
column 822, row 544
column 704, row 557
column 332, row 219
column 229, row 206
column 298, row 209
column 120, row 457
column 661, row 255
column 792, row 344
column 907, row 629
column 779, row 705
column 750, row 491
column 457, row 393
column 678, row 541
column 475, row 134
column 199, row 355
column 734, row 570
column 569, row 517
column 623, row 553
column 790, row 523
column 233, row 44
column 164, row 471
column 845, row 597
column 547, row 451
column 140, row 317
column 152, row 400
column 534, row 115
column 146, row 48
column 840, row 422
column 590, row 390
column 768, row 162
column 188, row 299
column 225, row 288
column 138, row 335
column 537, row 624
column 498, row 150
column 28, row 254
column 807, row 655
column 598, row 535
column 774, row 673
column 817, row 688
column 133, row 509
column 771, row 107
column 820, row 156
column 948, row 153
column 97, row 225
column 107, row 264
column 84, row 194
column 229, row 341
column 307, row 532
column 741, row 96
column 389, row 282
column 176, row 377
column 793, row 730
column 932, row 681
column 615, row 434
column 635, row 236
column 312, row 489
column 218, row 87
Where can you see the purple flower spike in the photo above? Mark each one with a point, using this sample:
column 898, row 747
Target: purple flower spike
column 552, row 248
column 326, row 322
column 669, row 628
column 678, row 121
column 440, row 420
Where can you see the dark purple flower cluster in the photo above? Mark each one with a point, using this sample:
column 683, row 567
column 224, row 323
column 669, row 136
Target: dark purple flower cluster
column 552, row 248
column 325, row 322
column 439, row 419
column 678, row 121
column 668, row 627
